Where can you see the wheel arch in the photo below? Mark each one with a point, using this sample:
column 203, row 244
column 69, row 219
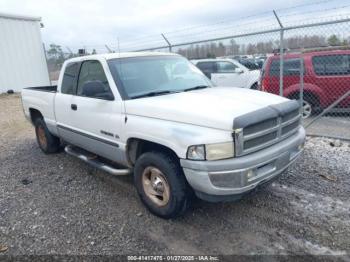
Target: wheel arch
column 310, row 91
column 135, row 147
column 35, row 114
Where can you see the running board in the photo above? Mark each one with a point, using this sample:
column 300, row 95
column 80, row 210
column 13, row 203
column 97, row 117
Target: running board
column 96, row 163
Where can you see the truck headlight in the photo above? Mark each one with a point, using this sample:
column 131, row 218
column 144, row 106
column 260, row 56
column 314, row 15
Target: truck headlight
column 219, row 151
column 211, row 151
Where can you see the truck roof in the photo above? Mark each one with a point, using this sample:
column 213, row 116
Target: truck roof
column 109, row 56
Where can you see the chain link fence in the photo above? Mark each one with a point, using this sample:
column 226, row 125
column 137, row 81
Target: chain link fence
column 308, row 62
column 303, row 59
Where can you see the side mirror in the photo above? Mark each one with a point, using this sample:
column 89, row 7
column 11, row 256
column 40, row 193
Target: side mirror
column 96, row 89
column 239, row 70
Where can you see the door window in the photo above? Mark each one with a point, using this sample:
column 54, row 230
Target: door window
column 225, row 67
column 92, row 71
column 207, row 68
column 331, row 65
column 69, row 82
column 291, row 67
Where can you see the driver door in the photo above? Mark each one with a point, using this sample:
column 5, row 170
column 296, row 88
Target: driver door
column 96, row 121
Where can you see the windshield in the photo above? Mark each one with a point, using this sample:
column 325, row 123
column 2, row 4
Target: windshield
column 155, row 75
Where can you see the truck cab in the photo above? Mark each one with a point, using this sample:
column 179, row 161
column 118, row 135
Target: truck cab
column 157, row 117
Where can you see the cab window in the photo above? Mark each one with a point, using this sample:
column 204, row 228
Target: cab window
column 225, row 67
column 207, row 68
column 69, row 79
column 291, row 67
column 92, row 72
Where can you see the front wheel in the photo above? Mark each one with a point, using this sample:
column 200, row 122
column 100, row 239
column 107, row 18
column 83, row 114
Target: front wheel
column 161, row 184
column 308, row 109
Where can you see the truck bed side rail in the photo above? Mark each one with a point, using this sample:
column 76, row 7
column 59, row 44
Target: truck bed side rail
column 52, row 89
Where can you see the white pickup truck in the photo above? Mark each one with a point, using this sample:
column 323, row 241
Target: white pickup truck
column 157, row 117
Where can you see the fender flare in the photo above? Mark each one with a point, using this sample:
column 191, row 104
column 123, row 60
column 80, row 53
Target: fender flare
column 315, row 90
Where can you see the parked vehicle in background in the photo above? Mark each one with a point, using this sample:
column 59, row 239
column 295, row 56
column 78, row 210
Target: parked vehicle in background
column 157, row 117
column 326, row 78
column 251, row 63
column 228, row 72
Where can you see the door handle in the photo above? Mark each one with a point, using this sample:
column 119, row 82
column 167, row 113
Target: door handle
column 74, row 107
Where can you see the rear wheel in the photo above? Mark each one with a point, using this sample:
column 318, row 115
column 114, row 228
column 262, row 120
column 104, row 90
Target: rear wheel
column 161, row 184
column 48, row 143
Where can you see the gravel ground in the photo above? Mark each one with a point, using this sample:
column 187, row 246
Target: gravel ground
column 325, row 126
column 55, row 204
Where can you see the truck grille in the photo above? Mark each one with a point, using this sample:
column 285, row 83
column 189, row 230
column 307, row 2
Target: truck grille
column 265, row 127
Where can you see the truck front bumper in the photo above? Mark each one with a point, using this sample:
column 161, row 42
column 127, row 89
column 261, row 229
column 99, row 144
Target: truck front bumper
column 228, row 179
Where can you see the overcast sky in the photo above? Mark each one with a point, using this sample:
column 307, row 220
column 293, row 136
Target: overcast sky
column 75, row 23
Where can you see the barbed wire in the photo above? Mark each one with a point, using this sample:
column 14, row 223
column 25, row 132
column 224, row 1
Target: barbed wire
column 233, row 26
column 168, row 33
column 176, row 38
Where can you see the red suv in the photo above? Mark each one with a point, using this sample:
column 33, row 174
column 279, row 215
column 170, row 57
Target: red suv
column 326, row 78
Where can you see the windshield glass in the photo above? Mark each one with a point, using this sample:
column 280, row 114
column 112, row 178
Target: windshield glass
column 138, row 76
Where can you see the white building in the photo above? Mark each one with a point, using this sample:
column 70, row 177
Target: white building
column 22, row 56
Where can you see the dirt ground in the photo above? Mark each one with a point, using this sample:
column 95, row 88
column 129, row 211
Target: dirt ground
column 55, row 204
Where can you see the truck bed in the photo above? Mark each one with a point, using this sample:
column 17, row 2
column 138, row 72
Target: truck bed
column 42, row 100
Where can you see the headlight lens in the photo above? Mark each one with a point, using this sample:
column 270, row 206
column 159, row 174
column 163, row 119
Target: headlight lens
column 211, row 151
column 196, row 152
column 219, row 151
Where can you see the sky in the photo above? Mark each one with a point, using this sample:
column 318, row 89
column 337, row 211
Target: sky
column 89, row 23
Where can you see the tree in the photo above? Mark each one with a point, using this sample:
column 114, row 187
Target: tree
column 333, row 40
column 234, row 47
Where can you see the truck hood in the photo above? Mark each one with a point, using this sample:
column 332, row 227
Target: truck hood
column 211, row 107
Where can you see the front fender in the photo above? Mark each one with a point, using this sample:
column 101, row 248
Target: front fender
column 253, row 78
column 174, row 135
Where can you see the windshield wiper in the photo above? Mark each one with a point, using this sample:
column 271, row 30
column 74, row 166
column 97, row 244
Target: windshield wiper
column 196, row 88
column 154, row 93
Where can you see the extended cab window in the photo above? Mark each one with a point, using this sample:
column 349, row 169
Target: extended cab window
column 225, row 67
column 92, row 80
column 291, row 67
column 331, row 65
column 69, row 79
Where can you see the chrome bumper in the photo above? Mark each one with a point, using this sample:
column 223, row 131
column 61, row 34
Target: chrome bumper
column 241, row 174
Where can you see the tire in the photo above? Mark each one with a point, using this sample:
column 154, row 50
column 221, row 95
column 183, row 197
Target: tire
column 161, row 184
column 47, row 142
column 310, row 106
column 308, row 109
